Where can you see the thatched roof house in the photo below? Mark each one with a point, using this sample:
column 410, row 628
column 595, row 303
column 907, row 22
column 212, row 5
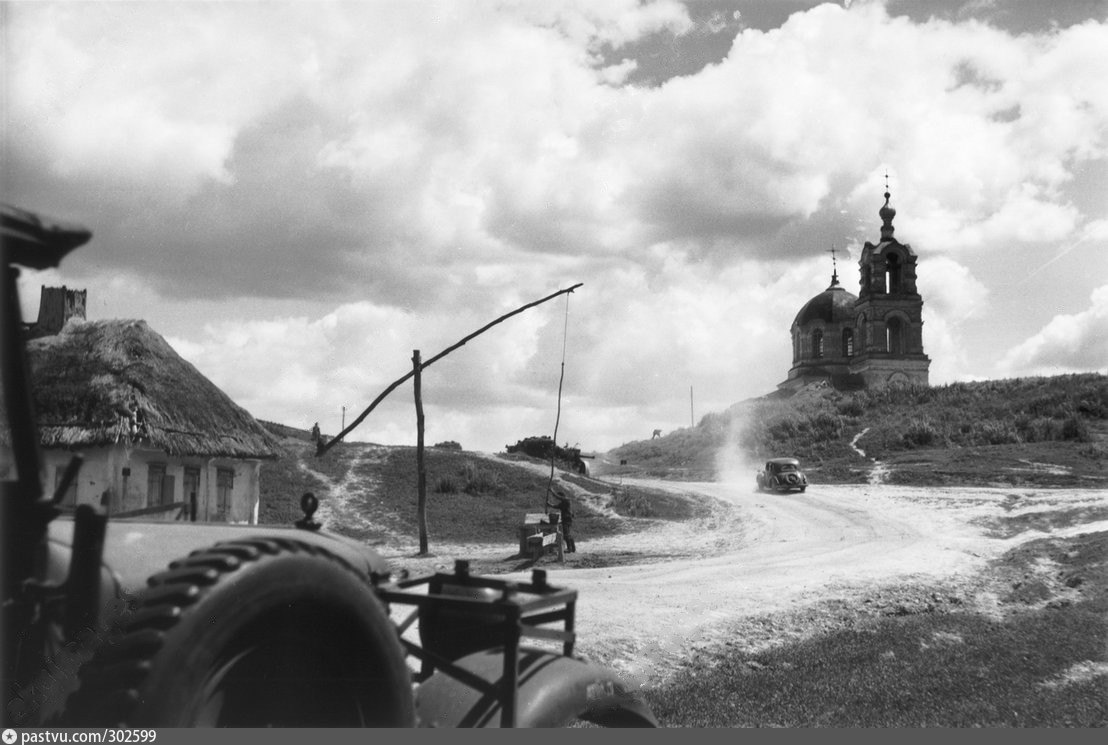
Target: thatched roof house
column 108, row 382
column 158, row 438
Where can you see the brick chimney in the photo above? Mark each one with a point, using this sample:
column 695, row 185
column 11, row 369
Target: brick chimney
column 56, row 306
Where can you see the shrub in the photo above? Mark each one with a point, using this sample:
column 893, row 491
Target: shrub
column 448, row 445
column 1094, row 408
column 1075, row 429
column 826, row 426
column 446, row 485
column 632, row 505
column 995, row 433
column 851, row 406
column 920, row 433
column 479, row 480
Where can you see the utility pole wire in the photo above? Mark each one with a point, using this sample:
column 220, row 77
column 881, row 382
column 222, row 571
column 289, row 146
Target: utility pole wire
column 322, row 448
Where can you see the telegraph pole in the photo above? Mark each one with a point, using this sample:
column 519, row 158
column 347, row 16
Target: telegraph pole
column 692, row 419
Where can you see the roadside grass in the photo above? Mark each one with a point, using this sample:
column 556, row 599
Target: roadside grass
column 1042, row 662
column 659, row 505
column 1044, row 521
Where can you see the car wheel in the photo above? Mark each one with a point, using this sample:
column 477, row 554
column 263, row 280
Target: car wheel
column 254, row 633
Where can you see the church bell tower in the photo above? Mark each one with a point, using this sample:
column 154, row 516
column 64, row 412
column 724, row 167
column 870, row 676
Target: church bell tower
column 888, row 312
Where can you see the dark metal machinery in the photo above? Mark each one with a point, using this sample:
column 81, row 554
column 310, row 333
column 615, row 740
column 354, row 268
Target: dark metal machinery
column 460, row 614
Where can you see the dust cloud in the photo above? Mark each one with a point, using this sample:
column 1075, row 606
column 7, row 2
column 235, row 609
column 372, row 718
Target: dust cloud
column 735, row 464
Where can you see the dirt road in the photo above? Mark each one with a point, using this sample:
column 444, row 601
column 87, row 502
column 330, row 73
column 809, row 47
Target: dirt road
column 763, row 554
column 652, row 600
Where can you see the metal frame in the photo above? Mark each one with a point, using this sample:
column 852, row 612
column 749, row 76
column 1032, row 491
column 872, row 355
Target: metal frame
column 518, row 610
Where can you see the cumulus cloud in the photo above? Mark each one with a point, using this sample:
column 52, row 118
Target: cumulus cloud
column 372, row 130
column 1075, row 342
column 952, row 296
column 305, row 191
column 617, row 377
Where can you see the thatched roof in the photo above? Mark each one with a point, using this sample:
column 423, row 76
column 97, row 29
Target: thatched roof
column 112, row 381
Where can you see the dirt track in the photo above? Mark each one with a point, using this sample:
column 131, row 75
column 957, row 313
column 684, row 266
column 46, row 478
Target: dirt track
column 716, row 580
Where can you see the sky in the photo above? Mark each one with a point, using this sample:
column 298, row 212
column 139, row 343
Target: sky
column 299, row 195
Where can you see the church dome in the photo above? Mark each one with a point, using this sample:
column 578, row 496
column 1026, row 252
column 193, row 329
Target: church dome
column 833, row 305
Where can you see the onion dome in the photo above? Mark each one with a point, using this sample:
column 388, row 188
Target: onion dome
column 833, row 305
column 887, row 214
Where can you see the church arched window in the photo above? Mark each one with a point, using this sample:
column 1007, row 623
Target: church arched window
column 892, row 274
column 848, row 342
column 817, row 343
column 894, row 336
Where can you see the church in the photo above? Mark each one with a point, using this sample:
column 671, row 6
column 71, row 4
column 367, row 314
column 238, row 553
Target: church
column 872, row 340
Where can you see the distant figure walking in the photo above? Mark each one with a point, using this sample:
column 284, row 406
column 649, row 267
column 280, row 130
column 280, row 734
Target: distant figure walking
column 565, row 507
column 657, row 433
column 315, row 432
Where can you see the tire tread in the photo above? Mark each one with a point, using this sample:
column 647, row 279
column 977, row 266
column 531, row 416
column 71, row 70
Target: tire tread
column 125, row 659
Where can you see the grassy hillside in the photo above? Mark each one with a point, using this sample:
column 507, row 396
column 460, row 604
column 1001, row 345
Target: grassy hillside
column 1050, row 430
column 1034, row 431
column 470, row 499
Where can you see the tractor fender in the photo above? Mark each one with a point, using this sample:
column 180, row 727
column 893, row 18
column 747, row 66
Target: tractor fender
column 553, row 691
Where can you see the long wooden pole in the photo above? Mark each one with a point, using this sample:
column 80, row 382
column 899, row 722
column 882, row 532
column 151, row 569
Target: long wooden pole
column 558, row 415
column 421, row 473
column 322, row 448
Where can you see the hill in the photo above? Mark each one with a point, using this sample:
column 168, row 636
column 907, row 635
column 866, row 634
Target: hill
column 472, row 498
column 1032, row 432
column 1046, row 431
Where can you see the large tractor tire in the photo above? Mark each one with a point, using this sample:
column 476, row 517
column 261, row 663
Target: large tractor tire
column 252, row 633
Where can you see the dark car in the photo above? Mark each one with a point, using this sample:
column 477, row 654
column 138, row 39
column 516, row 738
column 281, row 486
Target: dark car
column 112, row 622
column 782, row 475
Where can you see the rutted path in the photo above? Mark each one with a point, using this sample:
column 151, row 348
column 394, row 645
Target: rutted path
column 342, row 505
column 879, row 472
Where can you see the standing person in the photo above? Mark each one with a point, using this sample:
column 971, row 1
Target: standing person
column 315, row 432
column 565, row 507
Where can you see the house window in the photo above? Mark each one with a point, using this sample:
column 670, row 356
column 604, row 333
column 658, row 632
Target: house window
column 848, row 342
column 224, row 485
column 159, row 486
column 817, row 344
